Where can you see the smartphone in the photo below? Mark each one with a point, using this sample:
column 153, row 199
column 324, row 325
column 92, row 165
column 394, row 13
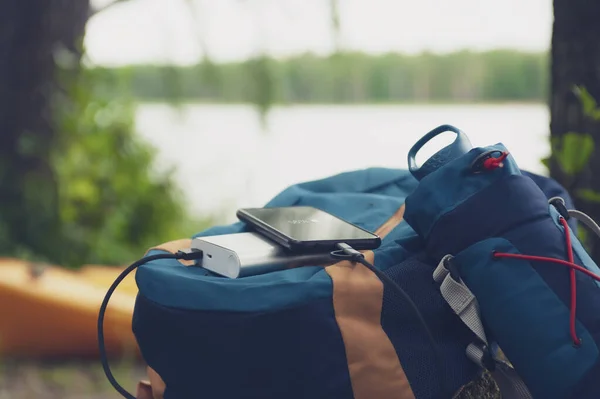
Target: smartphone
column 305, row 228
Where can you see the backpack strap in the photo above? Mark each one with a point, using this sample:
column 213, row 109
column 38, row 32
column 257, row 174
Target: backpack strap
column 464, row 304
column 459, row 297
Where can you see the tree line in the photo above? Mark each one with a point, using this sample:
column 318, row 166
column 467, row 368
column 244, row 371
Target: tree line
column 500, row 75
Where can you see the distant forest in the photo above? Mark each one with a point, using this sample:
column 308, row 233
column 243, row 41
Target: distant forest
column 492, row 76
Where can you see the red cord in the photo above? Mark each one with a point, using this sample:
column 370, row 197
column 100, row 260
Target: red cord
column 571, row 264
column 545, row 259
column 576, row 339
column 494, row 163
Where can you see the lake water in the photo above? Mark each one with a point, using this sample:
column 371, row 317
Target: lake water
column 227, row 160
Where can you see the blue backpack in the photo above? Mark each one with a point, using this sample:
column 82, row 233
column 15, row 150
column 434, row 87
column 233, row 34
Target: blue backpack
column 310, row 332
column 340, row 332
column 511, row 267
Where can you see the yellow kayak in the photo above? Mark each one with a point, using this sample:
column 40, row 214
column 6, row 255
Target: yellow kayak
column 52, row 312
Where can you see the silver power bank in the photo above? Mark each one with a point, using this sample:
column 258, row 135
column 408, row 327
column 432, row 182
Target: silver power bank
column 247, row 254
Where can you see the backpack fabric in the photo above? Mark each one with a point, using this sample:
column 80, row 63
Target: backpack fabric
column 311, row 332
column 491, row 227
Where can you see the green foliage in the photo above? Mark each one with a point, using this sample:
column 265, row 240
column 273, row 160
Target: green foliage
column 572, row 151
column 588, row 103
column 352, row 77
column 113, row 205
column 589, row 195
column 260, row 83
column 172, row 83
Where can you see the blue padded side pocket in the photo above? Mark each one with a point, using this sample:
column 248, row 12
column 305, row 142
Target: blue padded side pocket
column 528, row 320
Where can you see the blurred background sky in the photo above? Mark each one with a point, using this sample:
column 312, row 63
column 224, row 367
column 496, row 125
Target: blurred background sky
column 159, row 31
column 180, row 32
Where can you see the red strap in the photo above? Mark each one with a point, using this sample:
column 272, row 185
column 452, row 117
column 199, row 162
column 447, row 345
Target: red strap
column 571, row 264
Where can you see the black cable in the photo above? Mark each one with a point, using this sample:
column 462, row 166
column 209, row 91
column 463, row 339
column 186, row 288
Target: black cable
column 346, row 252
column 101, row 345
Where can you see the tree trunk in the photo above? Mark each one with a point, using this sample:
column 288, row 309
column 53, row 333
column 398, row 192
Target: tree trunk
column 35, row 35
column 576, row 61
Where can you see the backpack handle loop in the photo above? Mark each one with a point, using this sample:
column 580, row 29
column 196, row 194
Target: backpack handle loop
column 460, row 146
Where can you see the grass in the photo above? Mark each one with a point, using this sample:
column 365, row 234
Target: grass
column 72, row 379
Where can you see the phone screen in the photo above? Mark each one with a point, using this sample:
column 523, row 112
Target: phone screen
column 304, row 223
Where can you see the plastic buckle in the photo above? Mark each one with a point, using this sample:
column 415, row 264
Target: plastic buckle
column 560, row 206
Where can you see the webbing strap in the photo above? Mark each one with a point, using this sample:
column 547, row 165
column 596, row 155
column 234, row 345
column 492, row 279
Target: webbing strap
column 460, row 298
column 465, row 305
